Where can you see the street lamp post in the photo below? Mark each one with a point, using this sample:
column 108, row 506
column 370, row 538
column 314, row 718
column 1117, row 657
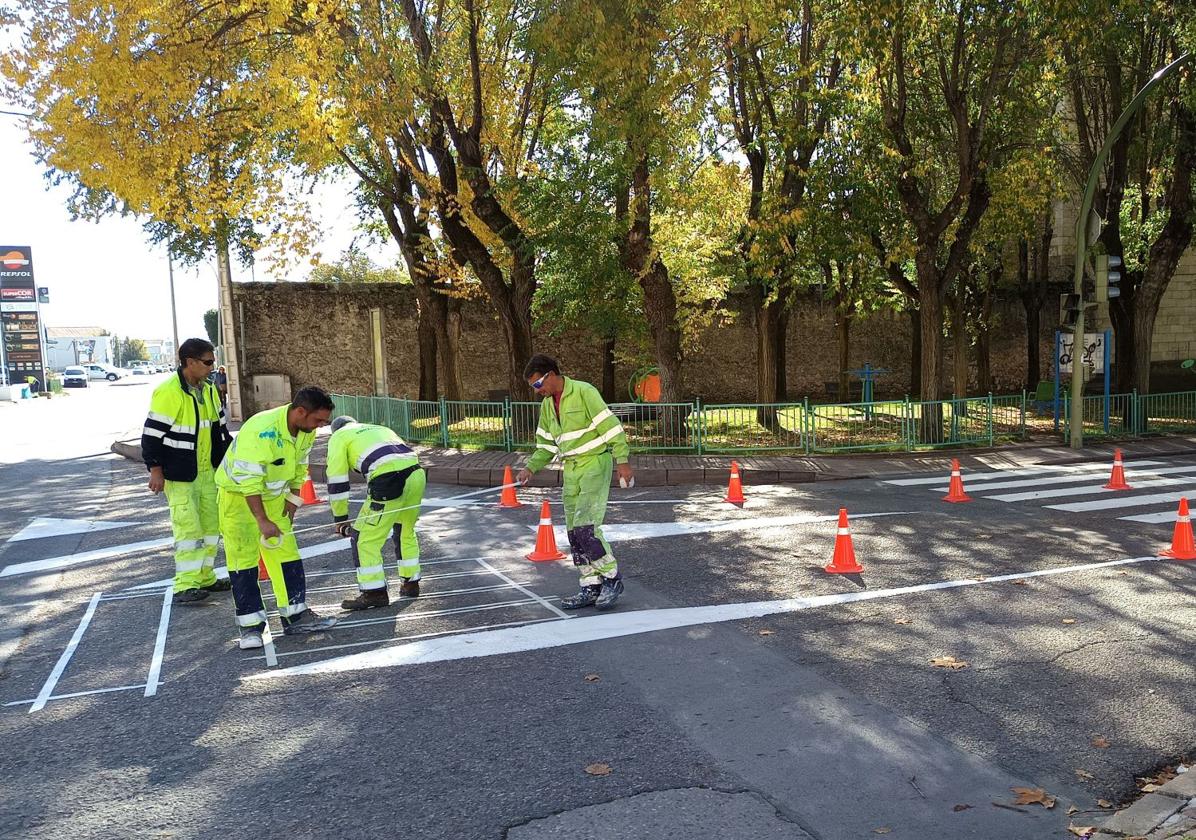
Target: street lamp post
column 1076, row 437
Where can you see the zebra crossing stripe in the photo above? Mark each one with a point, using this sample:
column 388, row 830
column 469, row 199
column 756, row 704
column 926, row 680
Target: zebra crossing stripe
column 1124, row 502
column 1086, row 490
column 979, row 485
column 1037, row 469
column 1150, row 518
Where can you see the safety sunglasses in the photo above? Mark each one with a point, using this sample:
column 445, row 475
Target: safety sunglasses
column 208, row 362
column 539, row 383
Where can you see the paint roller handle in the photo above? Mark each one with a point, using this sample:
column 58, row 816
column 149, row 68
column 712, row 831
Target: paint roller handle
column 525, row 475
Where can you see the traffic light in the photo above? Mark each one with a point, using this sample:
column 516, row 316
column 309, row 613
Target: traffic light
column 1108, row 275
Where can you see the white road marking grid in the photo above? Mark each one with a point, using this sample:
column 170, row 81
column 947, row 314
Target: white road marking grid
column 1079, row 488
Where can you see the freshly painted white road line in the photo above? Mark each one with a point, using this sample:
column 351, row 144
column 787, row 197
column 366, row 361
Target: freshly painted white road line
column 595, row 628
column 155, row 671
column 652, row 530
column 46, row 526
column 51, row 564
column 48, row 687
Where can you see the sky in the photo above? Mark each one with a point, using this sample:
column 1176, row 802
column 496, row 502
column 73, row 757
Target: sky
column 107, row 275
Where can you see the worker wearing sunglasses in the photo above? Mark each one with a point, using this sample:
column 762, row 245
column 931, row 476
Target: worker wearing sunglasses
column 577, row 426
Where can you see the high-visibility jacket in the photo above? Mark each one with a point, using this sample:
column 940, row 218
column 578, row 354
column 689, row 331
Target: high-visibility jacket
column 264, row 459
column 371, row 450
column 582, row 426
column 183, row 427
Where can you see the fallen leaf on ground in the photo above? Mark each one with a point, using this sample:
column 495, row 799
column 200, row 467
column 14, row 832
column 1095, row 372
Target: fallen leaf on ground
column 1020, row 582
column 959, row 808
column 1069, row 621
column 1033, row 796
column 948, row 662
column 1150, row 788
column 598, row 769
column 1081, row 830
column 1085, row 775
column 884, row 829
column 1071, row 810
column 903, row 620
column 1100, row 741
column 1104, row 803
column 766, row 632
column 591, row 678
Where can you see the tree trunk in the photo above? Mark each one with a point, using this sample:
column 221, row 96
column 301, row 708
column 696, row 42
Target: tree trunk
column 1167, row 249
column 643, row 262
column 959, row 348
column 781, row 355
column 915, row 350
column 843, row 338
column 768, row 329
column 427, row 353
column 984, row 373
column 608, row 370
column 930, row 311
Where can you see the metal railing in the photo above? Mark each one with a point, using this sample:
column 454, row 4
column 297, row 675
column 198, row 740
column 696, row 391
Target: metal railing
column 794, row 427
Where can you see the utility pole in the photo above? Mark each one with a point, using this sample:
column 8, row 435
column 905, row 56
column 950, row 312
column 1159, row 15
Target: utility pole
column 174, row 311
column 1085, row 236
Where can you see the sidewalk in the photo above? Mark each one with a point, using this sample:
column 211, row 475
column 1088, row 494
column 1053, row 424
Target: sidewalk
column 485, row 468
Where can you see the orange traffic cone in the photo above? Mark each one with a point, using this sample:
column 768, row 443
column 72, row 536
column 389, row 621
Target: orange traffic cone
column 843, row 562
column 308, row 494
column 955, row 491
column 545, row 538
column 262, row 573
column 1182, row 545
column 1117, row 479
column 508, row 499
column 735, row 486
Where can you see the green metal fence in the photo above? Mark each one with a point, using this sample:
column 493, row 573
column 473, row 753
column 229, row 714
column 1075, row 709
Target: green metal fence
column 797, row 427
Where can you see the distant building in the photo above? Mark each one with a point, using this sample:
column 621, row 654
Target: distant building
column 161, row 351
column 66, row 346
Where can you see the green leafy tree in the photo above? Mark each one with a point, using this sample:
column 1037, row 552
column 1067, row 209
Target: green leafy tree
column 211, row 325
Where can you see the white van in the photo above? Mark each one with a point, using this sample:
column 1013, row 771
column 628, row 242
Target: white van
column 98, row 370
column 75, row 377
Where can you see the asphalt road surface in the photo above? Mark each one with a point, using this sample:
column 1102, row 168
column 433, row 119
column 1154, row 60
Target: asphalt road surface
column 738, row 690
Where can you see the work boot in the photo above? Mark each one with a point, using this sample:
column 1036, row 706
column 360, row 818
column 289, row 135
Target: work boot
column 367, row 600
column 585, row 597
column 189, row 596
column 308, row 621
column 221, row 585
column 251, row 638
column 612, row 588
column 409, row 589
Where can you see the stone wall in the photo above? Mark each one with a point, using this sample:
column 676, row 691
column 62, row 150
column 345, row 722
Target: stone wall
column 319, row 333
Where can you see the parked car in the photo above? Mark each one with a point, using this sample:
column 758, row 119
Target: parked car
column 75, row 377
column 98, row 370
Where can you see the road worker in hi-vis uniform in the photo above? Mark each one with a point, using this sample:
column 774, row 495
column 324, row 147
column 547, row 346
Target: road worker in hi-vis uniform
column 394, row 489
column 184, row 437
column 576, row 425
column 259, row 482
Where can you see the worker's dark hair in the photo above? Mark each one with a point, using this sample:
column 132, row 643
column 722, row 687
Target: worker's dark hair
column 539, row 364
column 194, row 348
column 313, row 399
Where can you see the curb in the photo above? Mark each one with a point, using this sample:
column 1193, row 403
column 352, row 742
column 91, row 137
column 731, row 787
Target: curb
column 1166, row 812
column 710, row 470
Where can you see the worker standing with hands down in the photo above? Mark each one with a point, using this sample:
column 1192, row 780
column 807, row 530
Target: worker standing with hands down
column 395, row 483
column 184, row 437
column 259, row 482
column 576, row 424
